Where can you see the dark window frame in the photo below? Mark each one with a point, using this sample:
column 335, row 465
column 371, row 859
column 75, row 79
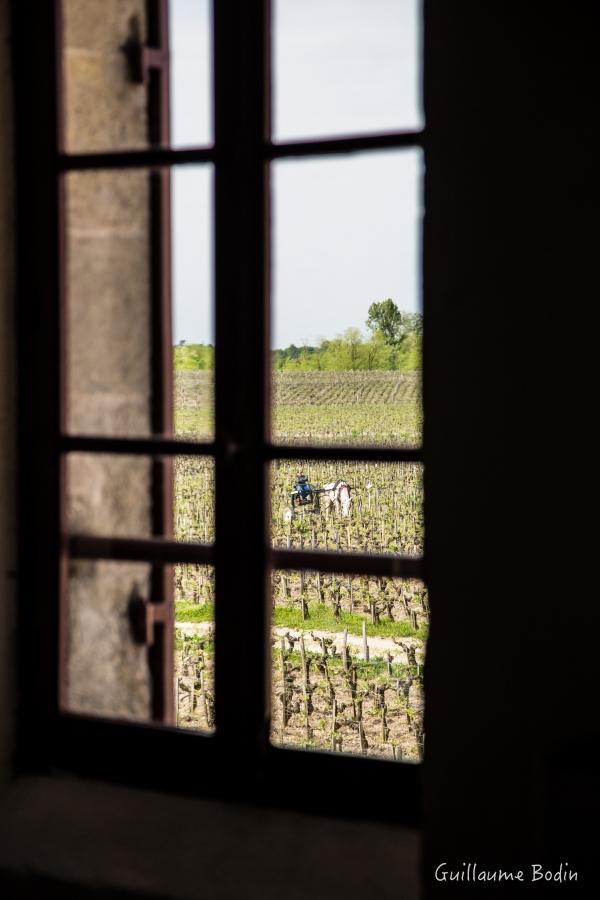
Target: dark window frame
column 242, row 763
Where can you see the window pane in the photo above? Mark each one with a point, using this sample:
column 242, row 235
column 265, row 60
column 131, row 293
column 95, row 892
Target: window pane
column 107, row 672
column 114, row 495
column 346, row 300
column 363, row 407
column 109, row 495
column 194, row 647
column 107, row 666
column 193, row 316
column 113, row 98
column 348, row 654
column 346, row 66
column 347, row 506
column 113, row 282
column 191, row 72
column 194, row 517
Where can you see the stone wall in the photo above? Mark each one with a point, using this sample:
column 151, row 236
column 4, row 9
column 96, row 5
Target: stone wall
column 105, row 110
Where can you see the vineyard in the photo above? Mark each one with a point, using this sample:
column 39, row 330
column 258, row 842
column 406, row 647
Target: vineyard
column 377, row 408
column 348, row 651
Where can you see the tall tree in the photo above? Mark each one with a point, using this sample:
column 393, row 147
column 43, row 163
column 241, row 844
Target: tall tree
column 386, row 318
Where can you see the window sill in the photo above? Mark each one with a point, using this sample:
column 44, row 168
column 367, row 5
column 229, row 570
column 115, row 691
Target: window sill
column 103, row 838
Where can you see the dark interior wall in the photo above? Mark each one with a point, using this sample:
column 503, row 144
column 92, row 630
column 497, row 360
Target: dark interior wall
column 7, row 409
column 510, row 282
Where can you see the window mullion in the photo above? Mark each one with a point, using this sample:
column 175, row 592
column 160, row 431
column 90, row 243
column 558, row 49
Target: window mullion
column 241, row 378
column 161, row 652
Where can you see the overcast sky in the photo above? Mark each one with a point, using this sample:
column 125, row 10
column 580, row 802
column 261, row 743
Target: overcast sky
column 346, row 230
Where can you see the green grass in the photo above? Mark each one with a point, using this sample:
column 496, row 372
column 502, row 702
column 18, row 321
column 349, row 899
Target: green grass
column 321, row 618
column 194, row 612
column 193, row 357
column 377, row 666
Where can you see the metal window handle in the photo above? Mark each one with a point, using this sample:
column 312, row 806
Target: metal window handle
column 144, row 58
column 141, row 618
column 143, row 615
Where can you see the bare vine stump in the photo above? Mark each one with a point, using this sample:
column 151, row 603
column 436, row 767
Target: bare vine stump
column 285, row 591
column 337, row 606
column 304, row 605
column 210, row 706
column 333, row 724
column 320, row 588
column 359, row 709
column 385, row 731
column 203, row 698
column 364, row 744
column 284, row 698
column 325, row 670
column 306, row 687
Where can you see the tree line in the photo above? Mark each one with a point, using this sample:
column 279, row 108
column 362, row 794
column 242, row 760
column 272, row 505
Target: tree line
column 394, row 342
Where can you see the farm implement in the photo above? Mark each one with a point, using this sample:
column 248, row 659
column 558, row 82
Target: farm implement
column 304, row 493
column 336, row 495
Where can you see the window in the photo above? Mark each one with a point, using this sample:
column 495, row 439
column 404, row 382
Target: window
column 238, row 758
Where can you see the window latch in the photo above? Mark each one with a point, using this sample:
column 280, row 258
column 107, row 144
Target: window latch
column 143, row 616
column 142, row 59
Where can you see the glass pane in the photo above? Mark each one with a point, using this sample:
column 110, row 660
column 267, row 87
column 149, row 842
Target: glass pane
column 194, row 647
column 112, row 261
column 109, row 495
column 114, row 495
column 113, row 99
column 347, row 506
column 346, row 66
column 194, row 513
column 191, row 72
column 346, row 300
column 193, row 318
column 107, row 672
column 348, row 654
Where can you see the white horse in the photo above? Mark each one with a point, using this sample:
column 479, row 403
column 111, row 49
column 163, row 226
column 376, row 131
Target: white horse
column 337, row 494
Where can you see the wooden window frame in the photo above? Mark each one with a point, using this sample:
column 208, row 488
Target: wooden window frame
column 237, row 762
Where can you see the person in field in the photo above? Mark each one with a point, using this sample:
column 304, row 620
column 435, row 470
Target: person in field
column 302, row 486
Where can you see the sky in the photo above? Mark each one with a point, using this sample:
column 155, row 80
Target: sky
column 345, row 230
